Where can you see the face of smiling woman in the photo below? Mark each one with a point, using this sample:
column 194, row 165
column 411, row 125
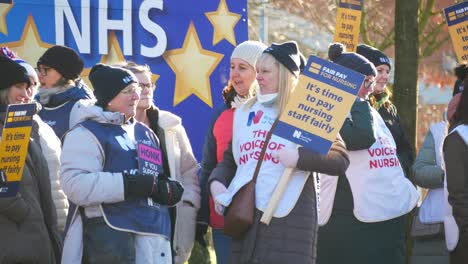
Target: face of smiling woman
column 242, row 76
column 383, row 73
column 19, row 93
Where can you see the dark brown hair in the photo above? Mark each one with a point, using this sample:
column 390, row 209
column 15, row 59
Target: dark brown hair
column 229, row 93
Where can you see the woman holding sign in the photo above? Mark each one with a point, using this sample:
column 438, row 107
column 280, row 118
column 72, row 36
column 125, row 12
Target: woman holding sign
column 291, row 235
column 112, row 172
column 29, row 217
column 370, row 203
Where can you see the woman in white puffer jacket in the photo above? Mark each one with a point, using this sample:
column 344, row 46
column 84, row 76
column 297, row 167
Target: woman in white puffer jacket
column 51, row 149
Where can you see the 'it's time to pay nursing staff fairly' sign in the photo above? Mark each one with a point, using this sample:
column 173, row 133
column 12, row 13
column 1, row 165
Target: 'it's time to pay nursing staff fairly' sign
column 319, row 105
column 457, row 21
column 14, row 146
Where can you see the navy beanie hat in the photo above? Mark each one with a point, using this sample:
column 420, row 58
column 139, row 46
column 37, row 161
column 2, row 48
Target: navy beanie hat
column 374, row 55
column 64, row 60
column 108, row 81
column 461, row 71
column 288, row 54
column 351, row 60
column 12, row 73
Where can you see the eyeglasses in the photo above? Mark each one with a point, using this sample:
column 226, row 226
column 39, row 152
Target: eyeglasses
column 369, row 84
column 146, row 85
column 42, row 70
column 131, row 90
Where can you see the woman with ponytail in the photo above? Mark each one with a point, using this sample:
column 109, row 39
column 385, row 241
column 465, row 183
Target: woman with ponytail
column 366, row 208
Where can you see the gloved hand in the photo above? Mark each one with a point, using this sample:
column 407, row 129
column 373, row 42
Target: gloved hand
column 167, row 192
column 287, row 156
column 216, row 189
column 160, row 189
column 139, row 185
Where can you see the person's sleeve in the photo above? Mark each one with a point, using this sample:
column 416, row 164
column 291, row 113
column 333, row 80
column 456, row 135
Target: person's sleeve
column 426, row 172
column 455, row 155
column 226, row 169
column 81, row 177
column 358, row 130
column 188, row 170
column 208, row 163
column 334, row 163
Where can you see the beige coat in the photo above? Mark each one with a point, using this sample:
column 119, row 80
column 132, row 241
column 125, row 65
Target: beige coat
column 183, row 167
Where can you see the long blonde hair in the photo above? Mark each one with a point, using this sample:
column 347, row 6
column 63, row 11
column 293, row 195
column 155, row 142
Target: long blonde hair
column 287, row 82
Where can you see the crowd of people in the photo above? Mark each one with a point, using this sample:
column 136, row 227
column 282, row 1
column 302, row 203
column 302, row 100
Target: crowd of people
column 91, row 193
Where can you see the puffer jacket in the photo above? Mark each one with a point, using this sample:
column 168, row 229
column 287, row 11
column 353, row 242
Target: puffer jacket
column 208, row 163
column 182, row 165
column 28, row 223
column 53, row 99
column 426, row 172
column 51, row 149
column 88, row 186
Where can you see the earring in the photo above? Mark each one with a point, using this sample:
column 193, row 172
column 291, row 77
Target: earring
column 109, row 104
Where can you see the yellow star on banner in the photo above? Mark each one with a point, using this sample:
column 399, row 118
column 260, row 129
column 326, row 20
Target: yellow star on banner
column 114, row 52
column 30, row 46
column 4, row 8
column 114, row 55
column 193, row 66
column 223, row 23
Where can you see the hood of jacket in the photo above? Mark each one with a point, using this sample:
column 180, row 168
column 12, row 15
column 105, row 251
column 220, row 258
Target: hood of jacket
column 87, row 110
column 79, row 91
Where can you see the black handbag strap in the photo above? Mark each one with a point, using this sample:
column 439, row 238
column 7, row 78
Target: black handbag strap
column 262, row 153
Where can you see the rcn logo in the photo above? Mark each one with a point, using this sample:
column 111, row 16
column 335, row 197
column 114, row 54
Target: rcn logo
column 297, row 134
column 254, row 117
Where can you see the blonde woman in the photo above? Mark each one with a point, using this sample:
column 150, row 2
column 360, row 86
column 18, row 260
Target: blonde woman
column 291, row 235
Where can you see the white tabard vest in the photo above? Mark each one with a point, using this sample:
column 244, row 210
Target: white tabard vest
column 451, row 228
column 433, row 206
column 250, row 128
column 380, row 189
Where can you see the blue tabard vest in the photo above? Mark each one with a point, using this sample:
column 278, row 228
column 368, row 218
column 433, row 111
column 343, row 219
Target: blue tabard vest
column 136, row 215
column 58, row 118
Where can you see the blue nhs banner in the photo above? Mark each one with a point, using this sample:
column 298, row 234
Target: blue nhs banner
column 186, row 44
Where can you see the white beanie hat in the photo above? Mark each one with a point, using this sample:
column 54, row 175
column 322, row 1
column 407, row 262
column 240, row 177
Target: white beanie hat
column 31, row 71
column 249, row 51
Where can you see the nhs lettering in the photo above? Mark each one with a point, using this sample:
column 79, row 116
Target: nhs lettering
column 186, row 44
column 82, row 33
